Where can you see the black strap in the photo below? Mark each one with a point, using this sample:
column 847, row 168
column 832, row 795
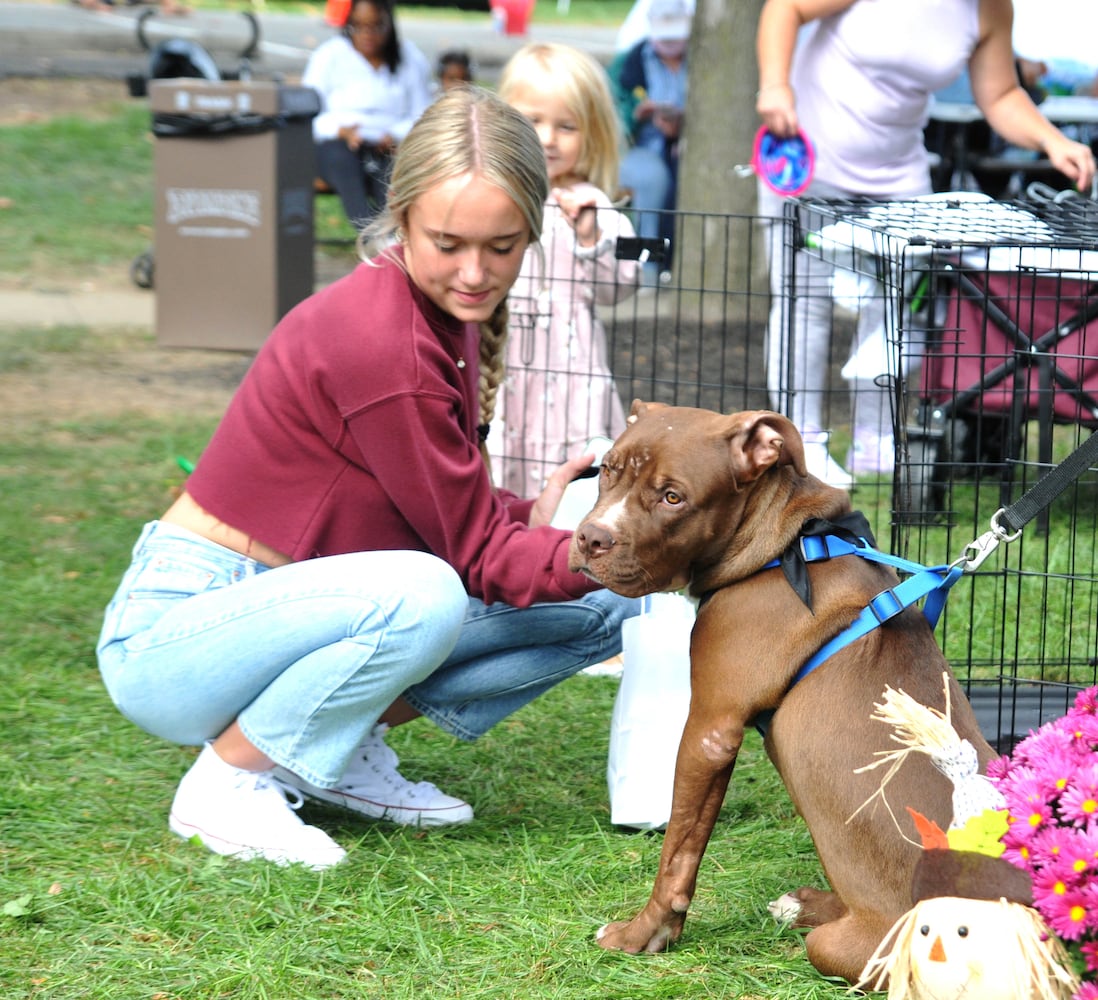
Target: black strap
column 852, row 527
column 1050, row 486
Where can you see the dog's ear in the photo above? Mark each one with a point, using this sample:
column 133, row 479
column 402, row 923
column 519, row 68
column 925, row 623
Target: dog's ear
column 761, row 439
column 640, row 408
column 792, row 442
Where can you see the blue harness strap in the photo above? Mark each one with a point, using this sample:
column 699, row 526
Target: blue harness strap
column 932, row 583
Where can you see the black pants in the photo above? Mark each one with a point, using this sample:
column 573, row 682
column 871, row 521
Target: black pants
column 360, row 178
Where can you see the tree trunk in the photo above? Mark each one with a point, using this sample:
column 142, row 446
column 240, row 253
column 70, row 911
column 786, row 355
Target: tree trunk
column 718, row 135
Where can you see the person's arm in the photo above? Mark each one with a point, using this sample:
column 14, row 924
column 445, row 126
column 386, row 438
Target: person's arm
column 435, row 477
column 1009, row 110
column 324, row 73
column 775, row 43
column 614, row 279
column 597, row 226
column 317, row 76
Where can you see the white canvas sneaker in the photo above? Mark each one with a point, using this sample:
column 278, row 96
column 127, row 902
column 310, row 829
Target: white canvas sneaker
column 372, row 786
column 247, row 814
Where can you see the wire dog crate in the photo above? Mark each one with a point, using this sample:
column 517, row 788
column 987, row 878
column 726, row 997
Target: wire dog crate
column 989, row 351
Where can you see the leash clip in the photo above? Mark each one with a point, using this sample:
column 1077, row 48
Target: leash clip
column 976, row 552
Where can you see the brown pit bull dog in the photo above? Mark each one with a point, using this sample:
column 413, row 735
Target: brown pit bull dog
column 693, row 499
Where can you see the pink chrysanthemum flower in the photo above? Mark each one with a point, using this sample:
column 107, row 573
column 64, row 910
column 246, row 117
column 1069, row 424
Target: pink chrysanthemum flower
column 1079, row 803
column 1086, row 702
column 1088, row 991
column 1028, row 806
column 1000, row 767
column 1072, row 852
column 1051, row 883
column 1050, row 784
column 1065, row 912
column 1084, row 732
column 1046, row 848
column 1057, row 766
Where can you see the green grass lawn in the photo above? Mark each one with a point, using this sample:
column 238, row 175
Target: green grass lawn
column 99, row 900
column 80, row 192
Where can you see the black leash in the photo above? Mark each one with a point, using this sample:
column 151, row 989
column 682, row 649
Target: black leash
column 1007, row 522
column 1051, row 485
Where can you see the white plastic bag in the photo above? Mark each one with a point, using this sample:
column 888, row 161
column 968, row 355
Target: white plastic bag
column 650, row 712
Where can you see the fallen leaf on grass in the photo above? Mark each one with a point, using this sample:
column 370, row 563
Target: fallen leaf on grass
column 18, row 907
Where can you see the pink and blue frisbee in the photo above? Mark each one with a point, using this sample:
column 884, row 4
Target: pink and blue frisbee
column 785, row 164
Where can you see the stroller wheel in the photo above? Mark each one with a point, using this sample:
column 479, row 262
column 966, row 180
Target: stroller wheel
column 142, row 269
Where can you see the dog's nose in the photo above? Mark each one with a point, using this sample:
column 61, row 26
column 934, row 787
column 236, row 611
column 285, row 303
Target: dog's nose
column 593, row 540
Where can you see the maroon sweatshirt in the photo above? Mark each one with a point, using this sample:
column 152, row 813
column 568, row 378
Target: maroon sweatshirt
column 355, row 429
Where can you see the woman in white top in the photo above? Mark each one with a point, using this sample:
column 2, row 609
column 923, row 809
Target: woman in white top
column 373, row 86
column 859, row 85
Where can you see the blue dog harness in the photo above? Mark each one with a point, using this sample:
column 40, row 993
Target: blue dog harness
column 932, row 583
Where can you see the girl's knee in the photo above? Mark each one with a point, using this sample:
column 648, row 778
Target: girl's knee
column 428, row 598
column 443, row 591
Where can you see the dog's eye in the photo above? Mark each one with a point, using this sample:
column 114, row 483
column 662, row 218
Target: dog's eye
column 672, row 499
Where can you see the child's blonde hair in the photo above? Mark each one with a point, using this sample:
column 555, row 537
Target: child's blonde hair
column 583, row 85
column 468, row 130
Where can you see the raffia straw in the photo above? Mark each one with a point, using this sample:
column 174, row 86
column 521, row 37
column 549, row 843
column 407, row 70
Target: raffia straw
column 917, row 728
column 1045, row 958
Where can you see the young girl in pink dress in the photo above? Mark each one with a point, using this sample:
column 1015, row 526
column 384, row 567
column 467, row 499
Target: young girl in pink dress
column 559, row 392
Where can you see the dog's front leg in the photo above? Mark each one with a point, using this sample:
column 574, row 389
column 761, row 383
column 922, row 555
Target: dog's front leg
column 707, row 755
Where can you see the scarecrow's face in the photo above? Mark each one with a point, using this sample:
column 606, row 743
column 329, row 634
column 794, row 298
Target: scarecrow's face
column 965, row 949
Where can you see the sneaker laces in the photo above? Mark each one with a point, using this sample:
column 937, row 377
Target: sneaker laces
column 269, row 788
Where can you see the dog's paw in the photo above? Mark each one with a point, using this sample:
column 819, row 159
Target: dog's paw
column 601, row 931
column 785, row 909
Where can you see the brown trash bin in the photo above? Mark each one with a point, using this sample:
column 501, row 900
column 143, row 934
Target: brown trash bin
column 234, row 167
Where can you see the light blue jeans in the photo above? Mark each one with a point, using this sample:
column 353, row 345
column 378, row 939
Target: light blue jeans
column 306, row 657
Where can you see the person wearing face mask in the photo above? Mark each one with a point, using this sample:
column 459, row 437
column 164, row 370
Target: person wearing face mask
column 649, row 82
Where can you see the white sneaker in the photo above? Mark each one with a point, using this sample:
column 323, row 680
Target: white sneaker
column 613, row 667
column 872, row 454
column 372, row 786
column 247, row 814
column 823, row 466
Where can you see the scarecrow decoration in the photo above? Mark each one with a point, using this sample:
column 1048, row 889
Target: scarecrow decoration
column 972, row 933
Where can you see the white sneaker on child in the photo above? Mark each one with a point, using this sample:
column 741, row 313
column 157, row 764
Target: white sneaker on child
column 872, row 453
column 821, row 465
column 372, row 786
column 247, row 814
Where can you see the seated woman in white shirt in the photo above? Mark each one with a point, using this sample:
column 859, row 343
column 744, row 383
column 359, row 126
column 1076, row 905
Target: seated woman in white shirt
column 373, row 86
